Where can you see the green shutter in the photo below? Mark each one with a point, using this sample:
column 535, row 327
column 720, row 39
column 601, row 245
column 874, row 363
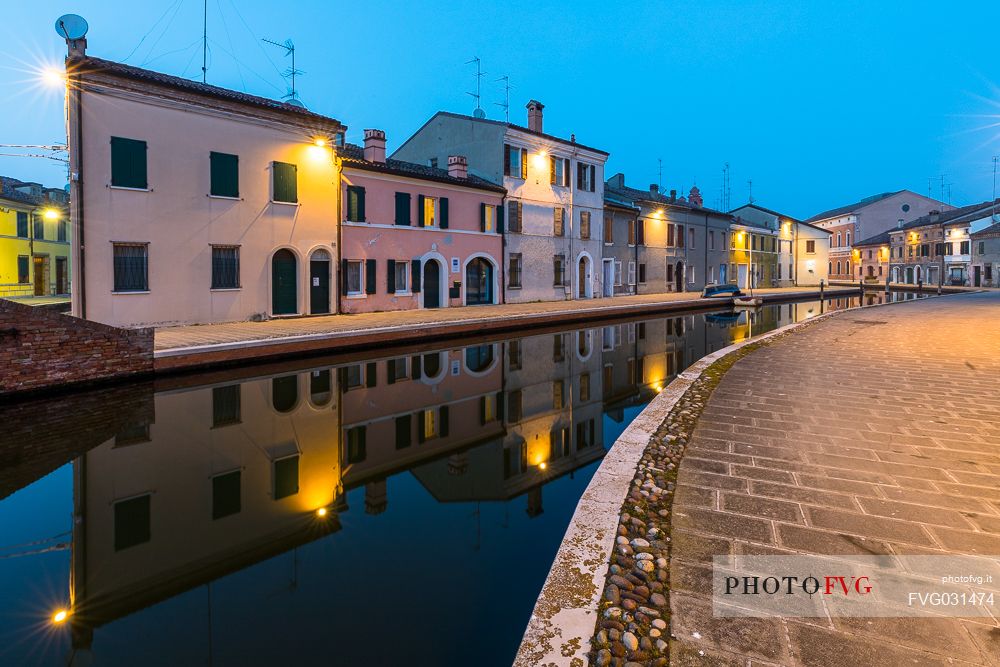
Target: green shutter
column 443, row 212
column 419, row 417
column 415, row 276
column 482, row 217
column 128, row 163
column 404, row 427
column 343, row 277
column 369, row 276
column 420, row 210
column 284, row 182
column 416, row 367
column 403, row 208
column 443, row 430
column 506, row 159
column 499, row 214
column 370, row 374
column 225, row 169
column 361, row 204
column 390, row 275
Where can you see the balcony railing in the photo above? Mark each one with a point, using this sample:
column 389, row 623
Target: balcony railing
column 957, row 259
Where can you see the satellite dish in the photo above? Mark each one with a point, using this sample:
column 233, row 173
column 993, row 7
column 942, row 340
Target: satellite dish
column 479, row 113
column 295, row 102
column 71, row 26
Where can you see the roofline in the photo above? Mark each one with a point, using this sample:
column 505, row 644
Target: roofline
column 768, row 210
column 353, row 163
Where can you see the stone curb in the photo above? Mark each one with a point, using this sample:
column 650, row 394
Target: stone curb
column 565, row 615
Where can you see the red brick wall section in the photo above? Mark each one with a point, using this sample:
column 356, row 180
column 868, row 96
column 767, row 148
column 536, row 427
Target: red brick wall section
column 41, row 349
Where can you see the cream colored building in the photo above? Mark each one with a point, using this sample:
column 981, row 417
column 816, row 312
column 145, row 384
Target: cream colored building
column 193, row 203
column 803, row 255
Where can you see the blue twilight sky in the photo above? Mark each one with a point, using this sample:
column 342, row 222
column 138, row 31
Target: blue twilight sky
column 818, row 102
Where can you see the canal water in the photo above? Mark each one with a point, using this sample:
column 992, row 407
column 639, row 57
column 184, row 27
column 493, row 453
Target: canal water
column 394, row 508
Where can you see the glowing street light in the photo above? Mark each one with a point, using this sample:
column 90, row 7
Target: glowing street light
column 319, row 141
column 51, row 214
column 54, row 76
column 60, row 616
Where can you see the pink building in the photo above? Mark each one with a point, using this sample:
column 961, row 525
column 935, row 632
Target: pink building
column 416, row 236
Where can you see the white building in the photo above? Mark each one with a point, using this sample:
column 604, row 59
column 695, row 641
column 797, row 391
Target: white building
column 803, row 248
column 554, row 211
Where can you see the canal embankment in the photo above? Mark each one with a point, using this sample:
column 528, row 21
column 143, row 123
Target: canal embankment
column 756, row 478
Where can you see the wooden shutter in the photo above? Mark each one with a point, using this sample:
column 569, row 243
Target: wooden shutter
column 515, row 225
column 443, row 212
column 369, row 276
column 415, row 276
column 482, row 217
column 579, row 175
column 370, row 380
column 552, row 170
column 593, row 177
column 680, row 236
column 641, row 232
column 128, row 163
column 499, row 214
column 343, row 277
column 506, row 159
column 524, row 163
column 416, row 367
column 420, row 210
column 284, row 183
column 391, row 276
column 224, row 175
column 565, row 172
column 443, row 427
column 403, row 208
column 390, row 371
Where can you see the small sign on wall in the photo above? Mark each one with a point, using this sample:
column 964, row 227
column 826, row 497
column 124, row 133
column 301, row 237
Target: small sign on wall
column 315, row 281
column 456, row 367
column 455, row 267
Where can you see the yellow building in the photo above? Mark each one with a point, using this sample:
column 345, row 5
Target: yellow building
column 34, row 240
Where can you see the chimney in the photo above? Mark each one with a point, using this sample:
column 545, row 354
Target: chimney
column 76, row 48
column 934, row 215
column 375, row 146
column 654, row 188
column 899, row 224
column 535, row 115
column 673, row 195
column 458, row 166
column 695, row 197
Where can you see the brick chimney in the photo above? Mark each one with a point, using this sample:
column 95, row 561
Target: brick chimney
column 654, row 189
column 695, row 197
column 934, row 215
column 673, row 195
column 375, row 146
column 458, row 166
column 535, row 115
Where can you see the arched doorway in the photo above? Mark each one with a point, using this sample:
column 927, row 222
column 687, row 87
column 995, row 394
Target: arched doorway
column 679, row 276
column 583, row 278
column 284, row 290
column 909, row 275
column 478, row 282
column 319, row 283
column 871, row 271
column 432, row 284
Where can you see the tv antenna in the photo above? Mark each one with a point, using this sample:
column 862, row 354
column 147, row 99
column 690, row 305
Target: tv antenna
column 505, row 105
column 478, row 111
column 725, row 187
column 750, row 191
column 659, row 178
column 996, row 159
column 292, row 97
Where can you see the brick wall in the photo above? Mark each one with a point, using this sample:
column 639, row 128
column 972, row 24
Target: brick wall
column 42, row 349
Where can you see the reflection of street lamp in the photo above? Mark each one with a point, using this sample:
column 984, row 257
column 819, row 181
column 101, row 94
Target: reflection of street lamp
column 50, row 214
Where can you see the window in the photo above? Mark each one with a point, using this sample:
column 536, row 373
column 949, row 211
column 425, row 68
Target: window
column 356, row 204
column 631, row 273
column 631, row 231
column 226, row 495
column 618, row 272
column 514, row 355
column 558, row 387
column 514, row 270
column 487, row 218
column 964, row 248
column 515, row 161
column 225, row 267
column 128, row 163
column 838, row 268
column 642, row 273
column 838, row 239
column 61, row 231
column 558, row 221
column 691, row 238
column 132, row 522
column 810, row 247
column 609, row 236
column 848, row 238
column 982, row 248
column 38, row 222
column 22, row 225
column 753, row 242
column 320, row 387
column 559, row 270
column 132, row 433
column 353, row 277
column 399, row 274
column 131, row 267
column 225, row 175
column 354, row 377
column 779, row 271
column 514, row 211
column 559, row 171
column 284, row 183
column 585, row 176
column 925, row 250
column 711, row 240
column 226, row 405
column 427, row 211
column 584, row 224
column 286, row 477
column 22, row 269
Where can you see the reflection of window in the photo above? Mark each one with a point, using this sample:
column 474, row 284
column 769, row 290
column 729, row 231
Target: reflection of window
column 514, row 355
column 396, row 370
column 132, row 434
column 319, row 386
column 514, row 405
column 585, row 386
column 430, row 424
column 558, row 347
column 284, row 392
column 487, row 409
column 286, row 477
column 585, row 434
column 432, row 364
column 404, row 429
column 226, row 494
column 132, row 522
column 583, row 343
column 479, row 358
column 356, row 446
column 225, row 405
column 557, row 394
column 354, row 376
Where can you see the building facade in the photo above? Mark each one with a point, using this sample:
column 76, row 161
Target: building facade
column 620, row 219
column 866, row 218
column 872, row 257
column 555, row 198
column 803, row 248
column 414, row 236
column 753, row 255
column 986, row 256
column 34, row 240
column 197, row 204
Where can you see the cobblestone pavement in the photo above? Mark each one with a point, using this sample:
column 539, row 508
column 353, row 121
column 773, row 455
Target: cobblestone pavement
column 873, row 431
column 236, row 332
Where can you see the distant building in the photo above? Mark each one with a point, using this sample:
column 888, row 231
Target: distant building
column 803, row 248
column 871, row 256
column 196, row 204
column 415, row 236
column 34, row 240
column 555, row 198
column 673, row 245
column 986, row 256
column 753, row 255
column 620, row 220
column 866, row 218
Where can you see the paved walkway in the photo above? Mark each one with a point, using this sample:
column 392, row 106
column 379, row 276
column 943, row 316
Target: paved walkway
column 874, row 431
column 172, row 338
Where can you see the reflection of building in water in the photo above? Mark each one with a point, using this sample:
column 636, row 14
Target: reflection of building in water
column 552, row 416
column 639, row 359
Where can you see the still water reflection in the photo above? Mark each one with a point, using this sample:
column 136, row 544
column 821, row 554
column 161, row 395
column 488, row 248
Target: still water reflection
column 401, row 509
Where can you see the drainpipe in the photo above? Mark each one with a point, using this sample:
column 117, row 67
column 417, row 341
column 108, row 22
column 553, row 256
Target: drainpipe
column 705, row 272
column 338, row 170
column 502, row 269
column 77, row 95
